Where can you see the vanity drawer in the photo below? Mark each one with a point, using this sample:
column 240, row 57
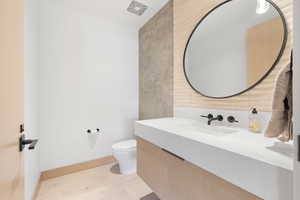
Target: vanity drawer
column 152, row 167
column 189, row 182
column 173, row 178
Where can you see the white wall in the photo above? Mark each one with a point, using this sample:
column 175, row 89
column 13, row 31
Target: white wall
column 88, row 79
column 31, row 158
column 296, row 93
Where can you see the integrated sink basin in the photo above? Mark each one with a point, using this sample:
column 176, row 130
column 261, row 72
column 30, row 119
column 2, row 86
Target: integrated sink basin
column 213, row 130
column 249, row 161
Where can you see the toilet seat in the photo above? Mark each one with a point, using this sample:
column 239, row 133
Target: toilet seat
column 127, row 145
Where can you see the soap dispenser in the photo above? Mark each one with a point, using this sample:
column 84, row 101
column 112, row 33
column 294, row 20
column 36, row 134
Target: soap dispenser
column 254, row 121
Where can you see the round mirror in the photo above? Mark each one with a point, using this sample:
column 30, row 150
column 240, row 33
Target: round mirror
column 234, row 47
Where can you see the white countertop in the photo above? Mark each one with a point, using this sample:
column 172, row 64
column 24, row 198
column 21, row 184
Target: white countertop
column 246, row 159
column 243, row 142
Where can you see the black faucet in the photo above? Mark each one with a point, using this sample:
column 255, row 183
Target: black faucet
column 231, row 119
column 211, row 118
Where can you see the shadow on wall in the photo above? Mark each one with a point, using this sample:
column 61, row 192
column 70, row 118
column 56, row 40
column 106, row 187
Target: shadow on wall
column 151, row 196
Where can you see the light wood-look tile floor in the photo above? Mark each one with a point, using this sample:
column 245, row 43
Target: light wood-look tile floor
column 102, row 183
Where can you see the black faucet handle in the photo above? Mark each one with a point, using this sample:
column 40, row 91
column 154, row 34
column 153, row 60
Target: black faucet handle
column 220, row 118
column 209, row 116
column 231, row 119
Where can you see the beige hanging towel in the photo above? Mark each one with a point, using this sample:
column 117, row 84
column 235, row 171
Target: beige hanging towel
column 280, row 125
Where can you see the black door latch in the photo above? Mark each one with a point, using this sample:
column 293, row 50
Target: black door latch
column 23, row 142
column 298, row 147
column 22, row 128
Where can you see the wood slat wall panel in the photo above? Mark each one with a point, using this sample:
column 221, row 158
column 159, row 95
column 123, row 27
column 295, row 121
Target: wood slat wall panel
column 186, row 15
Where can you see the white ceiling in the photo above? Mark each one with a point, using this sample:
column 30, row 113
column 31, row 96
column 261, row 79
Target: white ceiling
column 116, row 10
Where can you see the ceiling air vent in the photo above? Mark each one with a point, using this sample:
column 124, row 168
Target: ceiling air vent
column 137, row 8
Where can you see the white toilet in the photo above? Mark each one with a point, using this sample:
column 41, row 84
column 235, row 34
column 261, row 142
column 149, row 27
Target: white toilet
column 125, row 154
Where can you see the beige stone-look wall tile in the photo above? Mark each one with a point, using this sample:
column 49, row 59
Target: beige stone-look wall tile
column 156, row 65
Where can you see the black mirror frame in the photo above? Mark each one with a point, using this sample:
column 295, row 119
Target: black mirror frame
column 265, row 75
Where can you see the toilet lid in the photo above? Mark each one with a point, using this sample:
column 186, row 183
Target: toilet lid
column 125, row 145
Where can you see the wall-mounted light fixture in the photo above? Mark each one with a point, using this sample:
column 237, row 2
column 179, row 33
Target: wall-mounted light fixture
column 262, row 6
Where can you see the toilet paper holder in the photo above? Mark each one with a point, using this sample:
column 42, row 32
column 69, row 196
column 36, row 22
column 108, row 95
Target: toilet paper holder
column 95, row 131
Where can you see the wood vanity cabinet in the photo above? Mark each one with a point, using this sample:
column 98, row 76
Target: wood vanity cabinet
column 173, row 178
